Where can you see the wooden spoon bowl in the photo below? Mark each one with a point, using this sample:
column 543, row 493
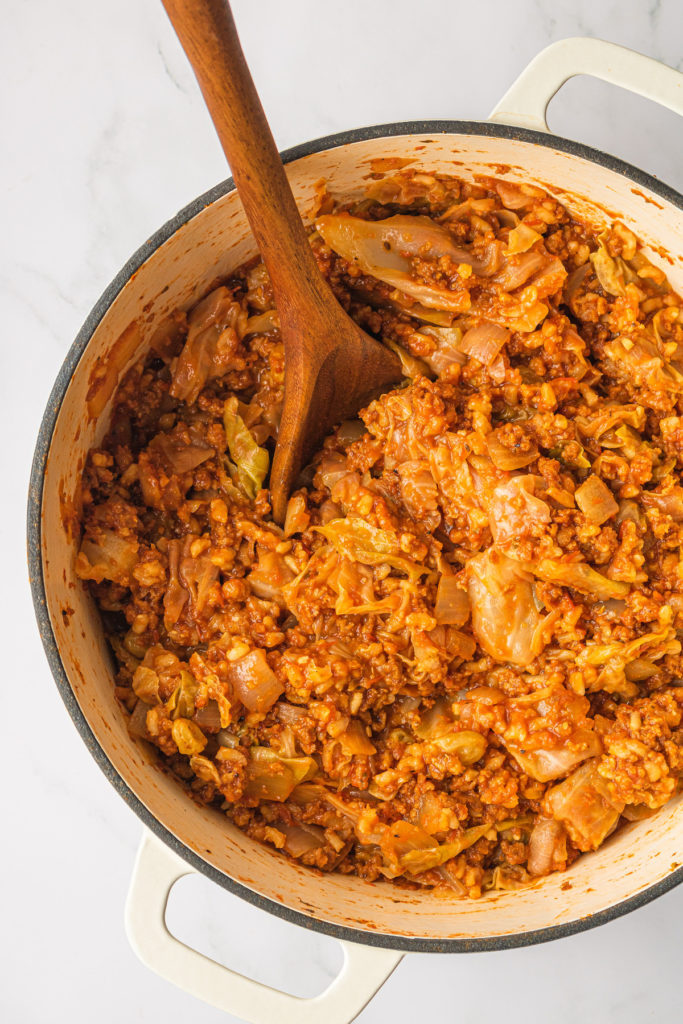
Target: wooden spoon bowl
column 332, row 367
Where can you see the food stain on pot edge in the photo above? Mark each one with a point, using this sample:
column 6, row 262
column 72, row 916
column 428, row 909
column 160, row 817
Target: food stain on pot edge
column 105, row 373
column 578, row 197
column 648, row 199
column 381, row 164
column 70, row 507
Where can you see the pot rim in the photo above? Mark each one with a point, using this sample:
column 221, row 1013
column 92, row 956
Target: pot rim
column 34, row 542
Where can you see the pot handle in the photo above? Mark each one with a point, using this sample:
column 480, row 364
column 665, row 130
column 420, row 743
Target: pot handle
column 156, row 871
column 526, row 101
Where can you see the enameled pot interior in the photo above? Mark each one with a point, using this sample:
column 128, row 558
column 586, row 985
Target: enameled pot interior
column 206, row 248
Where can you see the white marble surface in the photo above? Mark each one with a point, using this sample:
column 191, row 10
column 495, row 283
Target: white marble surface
column 104, row 137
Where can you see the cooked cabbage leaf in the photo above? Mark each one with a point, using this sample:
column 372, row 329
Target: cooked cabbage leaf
column 251, row 463
column 359, row 541
column 383, row 250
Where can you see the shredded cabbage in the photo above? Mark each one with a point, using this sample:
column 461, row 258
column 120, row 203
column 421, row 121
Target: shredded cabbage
column 547, row 764
column 251, row 463
column 580, row 576
column 585, row 806
column 383, row 249
column 410, row 365
column 188, row 737
column 361, row 542
column 637, row 360
column 215, row 328
column 615, row 658
column 505, row 619
column 609, row 271
column 271, row 777
column 110, row 557
column 447, row 351
column 521, row 238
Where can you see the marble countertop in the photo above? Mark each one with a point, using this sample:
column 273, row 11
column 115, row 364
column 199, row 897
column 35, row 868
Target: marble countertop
column 105, row 137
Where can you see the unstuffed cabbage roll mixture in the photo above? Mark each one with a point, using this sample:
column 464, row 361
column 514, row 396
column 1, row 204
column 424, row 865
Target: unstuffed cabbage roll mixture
column 457, row 665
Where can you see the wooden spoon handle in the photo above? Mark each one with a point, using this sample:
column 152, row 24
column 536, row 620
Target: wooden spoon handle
column 207, row 33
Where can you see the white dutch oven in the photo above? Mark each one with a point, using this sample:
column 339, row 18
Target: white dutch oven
column 205, row 242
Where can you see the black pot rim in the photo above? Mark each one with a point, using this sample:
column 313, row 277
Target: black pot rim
column 397, row 942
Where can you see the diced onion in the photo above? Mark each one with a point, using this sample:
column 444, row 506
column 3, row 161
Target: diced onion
column 290, row 714
column 452, row 607
column 574, row 282
column 268, row 781
column 297, row 517
column 517, row 272
column 497, row 370
column 208, row 718
column 545, row 765
column 671, row 503
column 506, row 458
column 513, row 197
column 484, row 342
column 435, row 721
column 268, row 578
column 489, row 695
column 286, row 742
column 447, row 352
column 640, row 669
column 254, row 681
column 595, row 500
column 228, row 739
column 178, row 456
column 521, row 238
column 262, row 323
column 137, row 723
column 449, row 878
column 146, row 685
column 355, row 740
column 301, row 839
column 637, row 812
column 614, row 607
column 331, row 470
column 460, row 645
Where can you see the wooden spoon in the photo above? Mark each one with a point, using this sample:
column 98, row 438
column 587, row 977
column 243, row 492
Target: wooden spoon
column 332, row 367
